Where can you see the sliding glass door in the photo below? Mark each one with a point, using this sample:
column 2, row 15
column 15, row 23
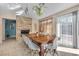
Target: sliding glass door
column 64, row 26
column 68, row 29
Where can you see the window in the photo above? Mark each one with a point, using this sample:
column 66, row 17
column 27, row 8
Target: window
column 66, row 26
column 65, row 29
column 46, row 26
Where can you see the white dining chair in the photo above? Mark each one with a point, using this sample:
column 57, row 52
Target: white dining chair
column 25, row 39
column 44, row 33
column 32, row 46
column 52, row 47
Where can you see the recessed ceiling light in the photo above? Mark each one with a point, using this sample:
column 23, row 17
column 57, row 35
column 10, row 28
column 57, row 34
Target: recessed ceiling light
column 19, row 12
column 14, row 6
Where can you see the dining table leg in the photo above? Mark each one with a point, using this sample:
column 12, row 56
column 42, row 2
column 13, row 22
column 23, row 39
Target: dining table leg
column 41, row 53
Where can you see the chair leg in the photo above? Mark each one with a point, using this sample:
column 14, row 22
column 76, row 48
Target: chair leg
column 46, row 51
column 51, row 51
column 55, row 52
column 34, row 53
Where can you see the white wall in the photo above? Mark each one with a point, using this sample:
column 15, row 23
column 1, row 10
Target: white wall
column 35, row 23
column 5, row 13
column 0, row 30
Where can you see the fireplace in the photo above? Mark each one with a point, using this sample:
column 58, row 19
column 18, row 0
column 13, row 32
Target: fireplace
column 25, row 31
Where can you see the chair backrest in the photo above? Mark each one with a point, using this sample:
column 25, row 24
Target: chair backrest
column 25, row 38
column 51, row 38
column 29, row 42
column 53, row 42
column 44, row 33
column 32, row 45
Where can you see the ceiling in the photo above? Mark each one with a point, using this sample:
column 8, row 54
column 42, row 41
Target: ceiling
column 21, row 9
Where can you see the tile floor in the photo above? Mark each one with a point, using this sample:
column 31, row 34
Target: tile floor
column 12, row 47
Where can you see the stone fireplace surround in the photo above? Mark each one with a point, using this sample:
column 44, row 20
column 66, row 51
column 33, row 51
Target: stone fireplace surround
column 22, row 23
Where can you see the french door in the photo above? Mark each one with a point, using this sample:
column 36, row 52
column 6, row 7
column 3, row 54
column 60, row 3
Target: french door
column 68, row 29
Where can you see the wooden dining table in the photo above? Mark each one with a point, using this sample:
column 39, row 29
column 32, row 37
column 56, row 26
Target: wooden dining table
column 40, row 40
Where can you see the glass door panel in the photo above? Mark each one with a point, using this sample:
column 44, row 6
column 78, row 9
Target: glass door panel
column 64, row 30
